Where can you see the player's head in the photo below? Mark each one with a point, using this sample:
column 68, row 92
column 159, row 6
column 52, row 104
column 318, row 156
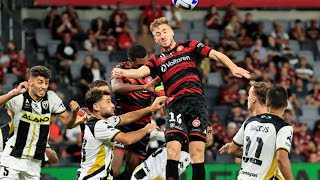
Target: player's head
column 257, row 94
column 138, row 55
column 277, row 98
column 99, row 103
column 39, row 80
column 99, row 84
column 162, row 32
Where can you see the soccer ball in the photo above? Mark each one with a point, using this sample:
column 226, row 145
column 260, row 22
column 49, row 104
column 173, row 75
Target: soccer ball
column 185, row 4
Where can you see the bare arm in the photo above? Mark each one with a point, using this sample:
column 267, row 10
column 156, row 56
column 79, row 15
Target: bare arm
column 67, row 119
column 119, row 87
column 135, row 115
column 235, row 150
column 236, row 71
column 79, row 121
column 134, row 136
column 143, row 71
column 22, row 88
column 284, row 164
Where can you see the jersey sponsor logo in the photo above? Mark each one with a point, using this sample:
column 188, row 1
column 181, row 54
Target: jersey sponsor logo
column 249, row 174
column 196, row 123
column 39, row 119
column 179, row 48
column 164, row 67
column 146, row 166
column 259, row 128
column 148, row 79
column 45, row 104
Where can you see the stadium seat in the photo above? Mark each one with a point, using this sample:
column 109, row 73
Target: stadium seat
column 30, row 25
column 215, row 79
column 52, row 47
column 268, row 26
column 196, row 36
column 285, row 25
column 239, row 55
column 310, row 115
column 75, row 69
column 103, row 57
column 81, row 55
column 42, row 37
column 198, row 25
column 213, row 35
column 294, row 45
column 180, row 36
column 186, row 25
column 308, row 55
column 10, row 78
column 85, row 24
column 118, row 56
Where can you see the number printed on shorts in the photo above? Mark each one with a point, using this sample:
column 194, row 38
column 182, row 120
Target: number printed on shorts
column 173, row 119
column 6, row 171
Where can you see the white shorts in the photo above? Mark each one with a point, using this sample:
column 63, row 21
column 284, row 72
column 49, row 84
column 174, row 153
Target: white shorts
column 17, row 168
column 10, row 174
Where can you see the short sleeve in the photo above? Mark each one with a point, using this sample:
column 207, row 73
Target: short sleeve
column 114, row 120
column 151, row 63
column 13, row 104
column 105, row 131
column 56, row 104
column 200, row 48
column 238, row 139
column 117, row 66
column 284, row 138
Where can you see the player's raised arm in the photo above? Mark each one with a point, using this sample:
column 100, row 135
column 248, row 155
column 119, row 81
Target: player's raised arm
column 143, row 71
column 134, row 136
column 118, row 86
column 129, row 117
column 236, row 71
column 22, row 88
column 69, row 119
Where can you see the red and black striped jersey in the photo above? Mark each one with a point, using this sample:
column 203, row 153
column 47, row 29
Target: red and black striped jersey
column 134, row 100
column 179, row 69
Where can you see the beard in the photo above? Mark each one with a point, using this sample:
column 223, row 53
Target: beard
column 106, row 115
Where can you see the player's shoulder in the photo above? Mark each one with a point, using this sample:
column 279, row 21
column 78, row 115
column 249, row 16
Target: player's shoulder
column 123, row 65
column 268, row 118
column 51, row 94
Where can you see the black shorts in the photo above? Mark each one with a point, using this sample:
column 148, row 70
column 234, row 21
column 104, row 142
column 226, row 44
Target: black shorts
column 188, row 116
column 139, row 148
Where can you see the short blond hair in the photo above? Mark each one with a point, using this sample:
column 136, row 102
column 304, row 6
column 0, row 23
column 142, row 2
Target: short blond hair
column 158, row 22
column 260, row 89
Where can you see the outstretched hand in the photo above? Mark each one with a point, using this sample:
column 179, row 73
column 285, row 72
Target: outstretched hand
column 240, row 72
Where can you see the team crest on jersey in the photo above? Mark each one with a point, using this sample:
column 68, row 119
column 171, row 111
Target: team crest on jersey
column 148, row 79
column 179, row 48
column 45, row 104
column 196, row 123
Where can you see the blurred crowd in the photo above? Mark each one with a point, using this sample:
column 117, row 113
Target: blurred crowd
column 272, row 55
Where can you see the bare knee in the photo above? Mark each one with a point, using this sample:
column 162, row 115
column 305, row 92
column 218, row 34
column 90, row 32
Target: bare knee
column 173, row 150
column 196, row 150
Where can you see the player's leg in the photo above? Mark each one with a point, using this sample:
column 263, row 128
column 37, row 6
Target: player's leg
column 132, row 161
column 136, row 153
column 7, row 173
column 118, row 156
column 196, row 150
column 176, row 135
column 197, row 127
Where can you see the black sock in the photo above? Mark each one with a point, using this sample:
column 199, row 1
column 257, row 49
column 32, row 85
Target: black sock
column 198, row 171
column 172, row 170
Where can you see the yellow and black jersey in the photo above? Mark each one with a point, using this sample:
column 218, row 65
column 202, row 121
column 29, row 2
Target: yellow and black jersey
column 261, row 137
column 31, row 120
column 97, row 148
